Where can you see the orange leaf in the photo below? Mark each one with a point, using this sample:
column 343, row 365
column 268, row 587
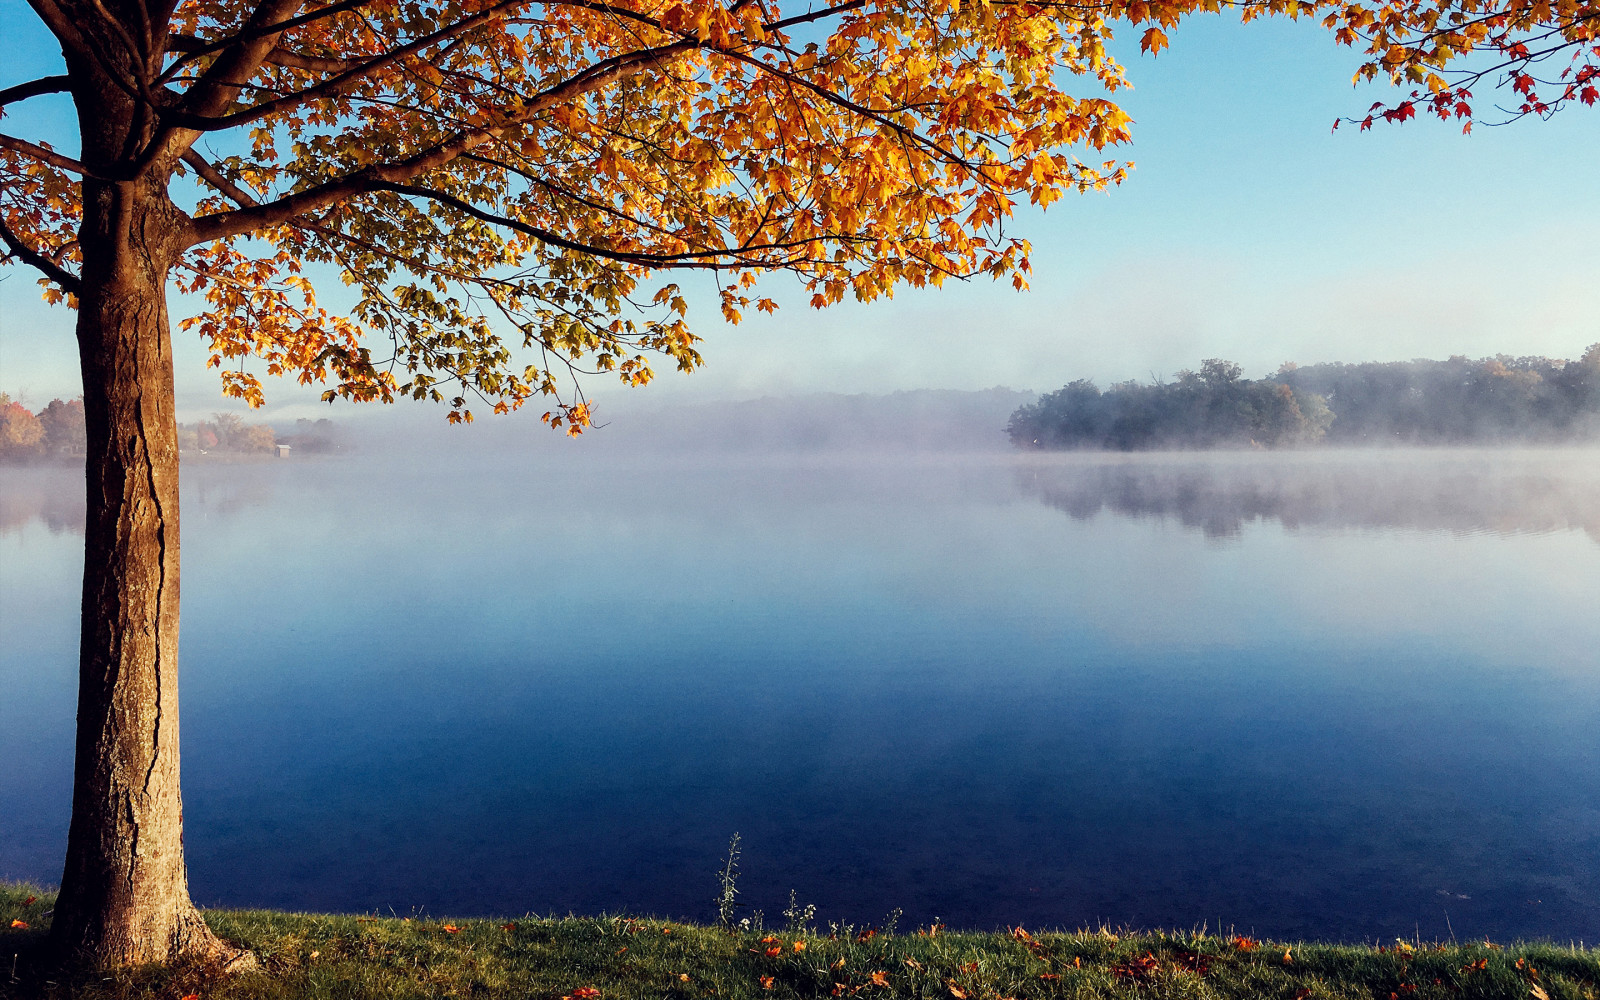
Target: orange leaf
column 766, row 982
column 19, row 924
column 451, row 929
column 880, row 979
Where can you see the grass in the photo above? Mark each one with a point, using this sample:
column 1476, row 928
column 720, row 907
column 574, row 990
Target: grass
column 623, row 958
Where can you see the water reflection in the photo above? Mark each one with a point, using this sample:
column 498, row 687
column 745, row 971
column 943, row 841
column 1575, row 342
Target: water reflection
column 1502, row 493
column 51, row 494
column 907, row 682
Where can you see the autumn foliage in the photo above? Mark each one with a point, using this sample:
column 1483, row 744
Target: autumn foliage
column 499, row 182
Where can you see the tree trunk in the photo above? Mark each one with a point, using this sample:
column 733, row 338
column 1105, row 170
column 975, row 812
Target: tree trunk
column 124, row 894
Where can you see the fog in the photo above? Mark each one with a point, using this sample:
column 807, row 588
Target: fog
column 493, row 670
column 1504, row 490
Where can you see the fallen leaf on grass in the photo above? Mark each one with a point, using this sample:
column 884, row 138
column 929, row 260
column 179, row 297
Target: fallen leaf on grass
column 880, row 979
column 1136, row 969
column 1048, row 975
column 1193, row 961
column 959, row 994
column 799, row 946
column 19, row 925
column 766, row 982
column 584, row 993
column 774, row 951
column 1246, row 944
column 683, row 977
column 30, row 900
column 913, row 963
column 451, row 929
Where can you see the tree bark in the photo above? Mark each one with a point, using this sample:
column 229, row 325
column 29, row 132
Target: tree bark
column 124, row 893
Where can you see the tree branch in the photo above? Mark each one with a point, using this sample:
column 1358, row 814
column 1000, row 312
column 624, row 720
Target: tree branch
column 43, row 155
column 245, row 220
column 219, row 86
column 61, row 25
column 211, row 175
column 205, row 116
column 203, row 47
column 68, row 281
column 33, row 88
column 279, row 56
column 689, row 258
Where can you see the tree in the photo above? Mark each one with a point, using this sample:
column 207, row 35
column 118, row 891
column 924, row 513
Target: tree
column 64, row 431
column 496, row 181
column 21, row 433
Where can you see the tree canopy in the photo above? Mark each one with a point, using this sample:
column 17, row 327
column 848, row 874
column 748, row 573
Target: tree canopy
column 495, row 174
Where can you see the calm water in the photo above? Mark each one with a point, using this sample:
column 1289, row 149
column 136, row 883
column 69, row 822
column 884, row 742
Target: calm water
column 1341, row 696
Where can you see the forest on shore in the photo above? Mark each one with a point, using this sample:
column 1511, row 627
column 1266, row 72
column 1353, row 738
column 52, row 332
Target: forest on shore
column 1456, row 401
column 59, row 432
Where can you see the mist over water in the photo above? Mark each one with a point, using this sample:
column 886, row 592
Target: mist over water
column 1339, row 695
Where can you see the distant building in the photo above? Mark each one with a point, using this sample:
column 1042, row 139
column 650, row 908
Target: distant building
column 283, row 450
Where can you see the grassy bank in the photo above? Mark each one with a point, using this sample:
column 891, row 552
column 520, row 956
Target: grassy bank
column 619, row 958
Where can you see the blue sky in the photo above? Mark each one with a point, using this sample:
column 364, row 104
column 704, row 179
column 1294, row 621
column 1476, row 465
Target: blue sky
column 1247, row 231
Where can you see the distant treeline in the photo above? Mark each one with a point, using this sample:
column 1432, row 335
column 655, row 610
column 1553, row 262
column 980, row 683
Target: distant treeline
column 56, row 430
column 227, row 432
column 1410, row 402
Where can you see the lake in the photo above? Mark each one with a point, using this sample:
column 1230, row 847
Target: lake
column 1343, row 695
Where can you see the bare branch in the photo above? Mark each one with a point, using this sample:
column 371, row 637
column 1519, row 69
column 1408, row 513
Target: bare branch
column 68, row 281
column 33, row 88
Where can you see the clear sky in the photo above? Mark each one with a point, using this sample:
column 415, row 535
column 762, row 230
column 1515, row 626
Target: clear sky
column 1247, row 231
